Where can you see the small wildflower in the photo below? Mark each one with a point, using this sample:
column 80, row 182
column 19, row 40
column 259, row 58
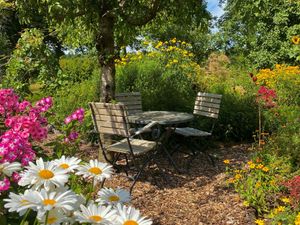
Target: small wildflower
column 258, row 184
column 226, row 161
column 246, row 203
column 285, row 200
column 296, row 40
column 297, row 219
column 259, row 222
column 265, row 169
column 238, row 176
column 279, row 209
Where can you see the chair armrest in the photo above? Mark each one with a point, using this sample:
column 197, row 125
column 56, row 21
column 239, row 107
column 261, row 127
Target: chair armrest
column 146, row 128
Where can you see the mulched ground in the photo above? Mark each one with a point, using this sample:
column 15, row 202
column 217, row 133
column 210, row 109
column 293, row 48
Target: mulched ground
column 195, row 197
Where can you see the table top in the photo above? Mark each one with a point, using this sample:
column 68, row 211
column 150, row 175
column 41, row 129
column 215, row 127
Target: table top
column 162, row 117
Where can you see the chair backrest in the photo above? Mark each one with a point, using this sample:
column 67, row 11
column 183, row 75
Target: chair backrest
column 132, row 101
column 207, row 104
column 110, row 118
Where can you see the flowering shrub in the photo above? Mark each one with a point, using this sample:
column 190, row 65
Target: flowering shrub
column 50, row 199
column 294, row 188
column 24, row 123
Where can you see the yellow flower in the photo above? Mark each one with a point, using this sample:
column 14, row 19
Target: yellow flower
column 238, row 176
column 279, row 209
column 259, row 222
column 285, row 200
column 230, row 181
column 159, row 44
column 265, row 169
column 297, row 219
column 252, row 166
column 226, row 161
column 296, row 39
column 175, row 61
column 258, row 184
column 260, row 166
column 173, row 40
column 245, row 203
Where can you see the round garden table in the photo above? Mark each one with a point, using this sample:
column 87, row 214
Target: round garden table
column 166, row 118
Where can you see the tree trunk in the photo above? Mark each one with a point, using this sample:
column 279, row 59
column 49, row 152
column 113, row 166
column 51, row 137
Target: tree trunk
column 106, row 55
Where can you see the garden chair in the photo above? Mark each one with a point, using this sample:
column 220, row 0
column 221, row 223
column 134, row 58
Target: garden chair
column 132, row 100
column 206, row 105
column 112, row 119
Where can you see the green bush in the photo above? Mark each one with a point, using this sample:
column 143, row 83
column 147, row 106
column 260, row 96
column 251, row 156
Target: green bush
column 161, row 88
column 74, row 96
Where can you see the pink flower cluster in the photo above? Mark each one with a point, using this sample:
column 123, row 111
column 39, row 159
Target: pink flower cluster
column 267, row 96
column 14, row 147
column 76, row 115
column 9, row 102
column 31, row 123
column 25, row 123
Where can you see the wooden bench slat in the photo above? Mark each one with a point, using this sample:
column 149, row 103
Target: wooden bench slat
column 207, row 104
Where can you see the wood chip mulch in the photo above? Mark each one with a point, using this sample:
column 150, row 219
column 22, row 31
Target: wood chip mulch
column 196, row 196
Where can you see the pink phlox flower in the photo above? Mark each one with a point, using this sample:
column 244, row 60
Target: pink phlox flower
column 4, row 184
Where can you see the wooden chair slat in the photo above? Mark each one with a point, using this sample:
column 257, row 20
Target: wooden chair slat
column 205, row 109
column 208, row 100
column 207, row 104
column 132, row 101
column 208, row 114
column 117, row 119
column 114, row 131
column 202, row 94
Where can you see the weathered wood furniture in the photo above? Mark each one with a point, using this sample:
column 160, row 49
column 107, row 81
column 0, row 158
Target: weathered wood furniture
column 132, row 100
column 206, row 105
column 112, row 119
column 165, row 119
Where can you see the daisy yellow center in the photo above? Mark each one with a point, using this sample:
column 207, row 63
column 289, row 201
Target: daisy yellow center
column 49, row 202
column 95, row 218
column 113, row 198
column 95, row 170
column 51, row 220
column 46, row 174
column 130, row 222
column 64, row 166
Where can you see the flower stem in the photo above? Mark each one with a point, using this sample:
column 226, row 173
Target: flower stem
column 25, row 217
column 46, row 218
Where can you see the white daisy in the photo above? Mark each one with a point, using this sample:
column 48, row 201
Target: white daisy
column 55, row 217
column 20, row 203
column 113, row 197
column 130, row 216
column 60, row 200
column 95, row 214
column 45, row 174
column 8, row 168
column 96, row 170
column 67, row 163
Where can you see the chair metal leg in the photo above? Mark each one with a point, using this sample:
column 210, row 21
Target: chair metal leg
column 138, row 174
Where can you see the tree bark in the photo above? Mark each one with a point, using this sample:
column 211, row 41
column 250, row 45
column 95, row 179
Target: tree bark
column 106, row 55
